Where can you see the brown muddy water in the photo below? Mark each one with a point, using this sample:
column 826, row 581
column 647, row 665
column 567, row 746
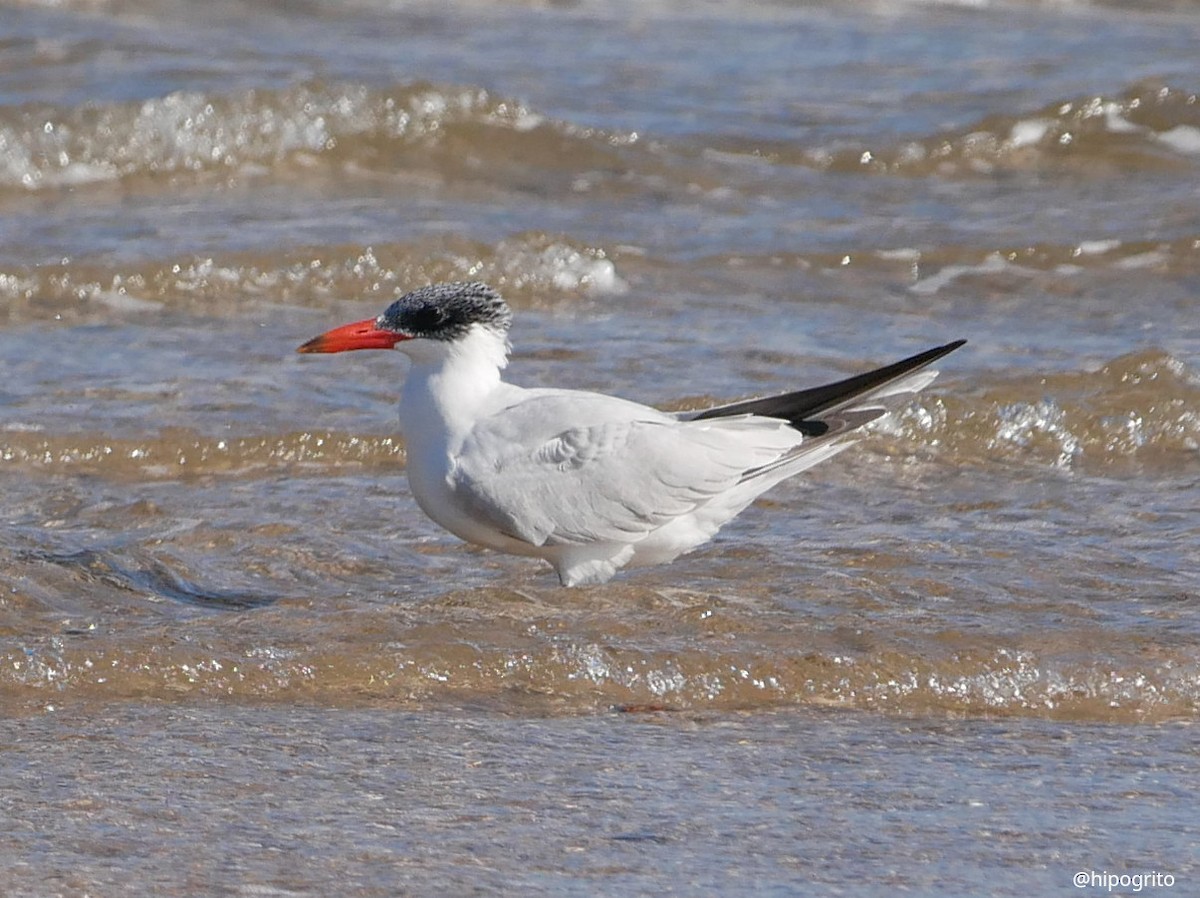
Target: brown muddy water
column 961, row 658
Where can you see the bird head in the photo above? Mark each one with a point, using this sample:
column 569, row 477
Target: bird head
column 441, row 312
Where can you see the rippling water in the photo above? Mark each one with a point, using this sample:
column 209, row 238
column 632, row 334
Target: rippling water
column 683, row 203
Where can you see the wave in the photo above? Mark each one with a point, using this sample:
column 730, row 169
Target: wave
column 1140, row 409
column 508, row 647
column 454, row 132
column 467, row 134
column 1148, row 127
column 928, row 271
column 181, row 453
column 534, row 269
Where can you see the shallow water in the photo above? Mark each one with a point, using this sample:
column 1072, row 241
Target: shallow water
column 219, row 799
column 683, row 203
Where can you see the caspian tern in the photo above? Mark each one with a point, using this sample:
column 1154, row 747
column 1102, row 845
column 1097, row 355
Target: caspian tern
column 590, row 483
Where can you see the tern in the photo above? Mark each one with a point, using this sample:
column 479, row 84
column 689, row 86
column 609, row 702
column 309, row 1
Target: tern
column 589, row 482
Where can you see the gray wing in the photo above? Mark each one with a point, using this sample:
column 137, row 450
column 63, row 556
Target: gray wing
column 625, row 473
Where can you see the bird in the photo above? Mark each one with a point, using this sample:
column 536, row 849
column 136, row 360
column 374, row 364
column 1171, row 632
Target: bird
column 589, row 482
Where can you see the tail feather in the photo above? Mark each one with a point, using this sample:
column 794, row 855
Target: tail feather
column 827, row 417
column 812, row 411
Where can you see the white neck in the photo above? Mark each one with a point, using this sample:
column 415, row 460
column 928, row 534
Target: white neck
column 449, row 383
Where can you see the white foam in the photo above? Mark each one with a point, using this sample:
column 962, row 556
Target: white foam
column 935, row 282
column 1028, row 132
column 903, row 254
column 1142, row 260
column 1117, row 123
column 1182, row 139
column 123, row 302
column 1023, row 424
column 526, row 120
column 1096, row 247
column 567, row 268
column 77, row 173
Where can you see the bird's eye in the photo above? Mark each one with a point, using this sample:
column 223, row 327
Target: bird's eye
column 424, row 319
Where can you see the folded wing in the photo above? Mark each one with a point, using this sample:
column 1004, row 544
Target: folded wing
column 616, row 479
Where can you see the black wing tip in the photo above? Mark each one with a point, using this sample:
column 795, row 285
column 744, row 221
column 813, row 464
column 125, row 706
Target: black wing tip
column 802, row 409
column 930, row 355
column 913, row 362
column 950, row 347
